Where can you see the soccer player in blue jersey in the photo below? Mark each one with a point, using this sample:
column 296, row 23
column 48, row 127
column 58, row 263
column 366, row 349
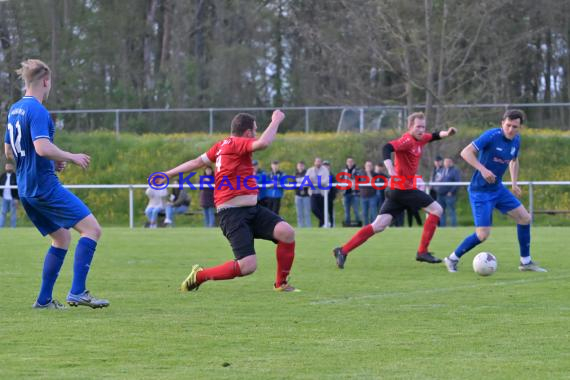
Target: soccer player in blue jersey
column 490, row 154
column 52, row 208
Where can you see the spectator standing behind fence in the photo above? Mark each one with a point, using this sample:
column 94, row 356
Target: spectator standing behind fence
column 318, row 174
column 382, row 183
column 156, row 204
column 302, row 198
column 351, row 197
column 332, row 193
column 261, row 179
column 207, row 200
column 368, row 196
column 9, row 196
column 435, row 176
column 275, row 191
column 447, row 195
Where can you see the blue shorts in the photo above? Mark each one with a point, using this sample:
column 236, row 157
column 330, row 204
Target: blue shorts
column 483, row 203
column 58, row 208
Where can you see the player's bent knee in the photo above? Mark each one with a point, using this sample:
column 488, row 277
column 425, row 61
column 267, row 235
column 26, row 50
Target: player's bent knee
column 61, row 238
column 524, row 219
column 284, row 232
column 483, row 235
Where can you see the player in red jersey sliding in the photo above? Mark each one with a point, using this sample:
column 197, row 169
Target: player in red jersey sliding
column 235, row 194
column 408, row 151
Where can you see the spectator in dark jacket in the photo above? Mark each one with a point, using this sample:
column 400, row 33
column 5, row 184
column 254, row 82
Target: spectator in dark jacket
column 207, row 201
column 368, row 196
column 275, row 191
column 261, row 179
column 351, row 197
column 435, row 175
column 302, row 198
column 447, row 195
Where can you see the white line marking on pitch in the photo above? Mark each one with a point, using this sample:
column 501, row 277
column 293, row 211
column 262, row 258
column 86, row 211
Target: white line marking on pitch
column 348, row 299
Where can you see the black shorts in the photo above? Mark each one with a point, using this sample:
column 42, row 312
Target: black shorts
column 398, row 200
column 241, row 225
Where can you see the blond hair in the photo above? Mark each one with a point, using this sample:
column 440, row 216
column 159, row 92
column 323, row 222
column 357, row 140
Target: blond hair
column 33, row 70
column 414, row 116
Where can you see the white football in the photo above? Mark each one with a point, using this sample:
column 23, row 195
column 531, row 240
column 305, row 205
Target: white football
column 485, row 264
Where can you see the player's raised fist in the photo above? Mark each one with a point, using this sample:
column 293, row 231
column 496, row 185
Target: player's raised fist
column 451, row 131
column 277, row 116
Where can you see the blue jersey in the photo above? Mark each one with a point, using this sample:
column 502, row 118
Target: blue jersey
column 29, row 120
column 495, row 153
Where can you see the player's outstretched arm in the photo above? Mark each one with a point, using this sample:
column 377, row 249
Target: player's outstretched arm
column 469, row 154
column 186, row 167
column 47, row 149
column 450, row 132
column 269, row 134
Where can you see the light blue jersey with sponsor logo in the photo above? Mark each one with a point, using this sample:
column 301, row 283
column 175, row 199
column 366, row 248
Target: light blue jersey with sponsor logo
column 495, row 153
column 29, row 120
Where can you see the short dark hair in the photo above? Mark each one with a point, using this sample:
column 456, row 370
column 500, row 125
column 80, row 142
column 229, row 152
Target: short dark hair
column 241, row 123
column 514, row 114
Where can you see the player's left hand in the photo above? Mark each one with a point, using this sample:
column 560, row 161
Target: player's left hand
column 516, row 190
column 451, row 131
column 60, row 166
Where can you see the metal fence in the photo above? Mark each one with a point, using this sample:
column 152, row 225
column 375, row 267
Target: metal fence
column 299, row 119
column 131, row 188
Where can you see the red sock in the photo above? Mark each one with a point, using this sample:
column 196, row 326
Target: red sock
column 226, row 271
column 427, row 234
column 285, row 254
column 360, row 237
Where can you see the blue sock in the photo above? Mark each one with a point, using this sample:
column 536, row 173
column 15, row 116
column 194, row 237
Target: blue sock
column 523, row 232
column 83, row 255
column 468, row 244
column 52, row 265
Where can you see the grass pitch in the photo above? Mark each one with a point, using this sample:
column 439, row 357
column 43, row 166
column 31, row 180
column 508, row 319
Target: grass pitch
column 383, row 316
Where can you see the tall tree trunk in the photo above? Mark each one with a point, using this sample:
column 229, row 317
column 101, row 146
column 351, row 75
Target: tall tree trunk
column 165, row 45
column 440, row 116
column 55, row 26
column 548, row 72
column 147, row 51
column 200, row 48
column 428, row 9
column 279, row 55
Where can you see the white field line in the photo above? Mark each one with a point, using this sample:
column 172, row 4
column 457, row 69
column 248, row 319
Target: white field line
column 349, row 299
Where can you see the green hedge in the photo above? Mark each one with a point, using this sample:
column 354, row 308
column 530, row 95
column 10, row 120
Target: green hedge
column 131, row 158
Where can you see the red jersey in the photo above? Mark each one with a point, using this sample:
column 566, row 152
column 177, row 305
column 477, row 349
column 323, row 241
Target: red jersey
column 408, row 152
column 233, row 165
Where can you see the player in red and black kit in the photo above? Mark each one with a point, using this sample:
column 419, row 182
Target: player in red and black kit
column 408, row 151
column 235, row 194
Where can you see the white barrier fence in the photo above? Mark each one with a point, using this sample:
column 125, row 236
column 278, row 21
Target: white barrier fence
column 131, row 188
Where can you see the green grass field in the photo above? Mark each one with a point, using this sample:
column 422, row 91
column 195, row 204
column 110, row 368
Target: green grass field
column 384, row 317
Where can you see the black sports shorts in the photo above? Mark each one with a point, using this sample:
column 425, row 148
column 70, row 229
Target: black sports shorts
column 398, row 200
column 241, row 225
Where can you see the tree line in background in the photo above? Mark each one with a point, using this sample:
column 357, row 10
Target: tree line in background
column 223, row 53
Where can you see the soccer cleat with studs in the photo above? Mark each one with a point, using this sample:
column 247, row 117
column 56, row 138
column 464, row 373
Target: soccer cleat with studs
column 339, row 257
column 451, row 264
column 190, row 283
column 427, row 258
column 86, row 299
column 53, row 304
